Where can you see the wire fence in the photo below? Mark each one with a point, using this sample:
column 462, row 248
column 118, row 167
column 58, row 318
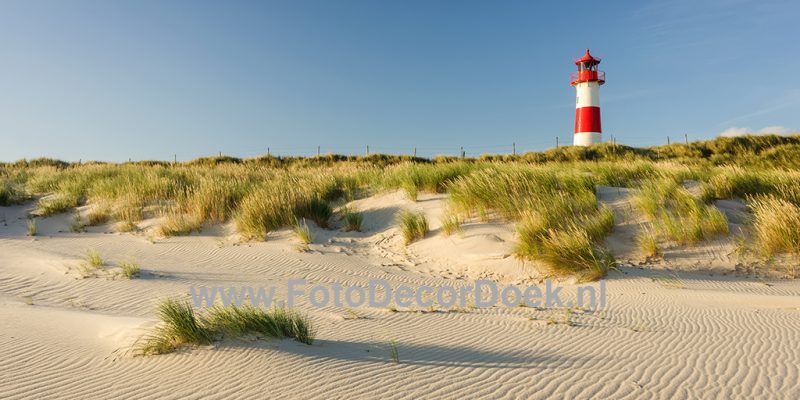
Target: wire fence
column 467, row 149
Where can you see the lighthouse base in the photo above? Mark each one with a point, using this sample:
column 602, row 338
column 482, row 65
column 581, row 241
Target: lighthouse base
column 587, row 138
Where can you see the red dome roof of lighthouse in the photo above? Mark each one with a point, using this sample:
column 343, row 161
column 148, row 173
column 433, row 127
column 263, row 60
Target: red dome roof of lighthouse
column 587, row 58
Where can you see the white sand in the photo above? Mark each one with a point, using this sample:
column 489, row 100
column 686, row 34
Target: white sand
column 664, row 334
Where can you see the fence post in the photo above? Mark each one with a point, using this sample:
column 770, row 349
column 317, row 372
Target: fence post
column 514, row 149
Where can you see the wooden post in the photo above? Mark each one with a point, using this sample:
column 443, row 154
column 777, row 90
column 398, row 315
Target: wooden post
column 268, row 153
column 556, row 141
column 686, row 137
column 667, row 140
column 367, row 149
column 220, row 154
column 514, row 149
column 318, row 151
column 174, row 158
column 415, row 152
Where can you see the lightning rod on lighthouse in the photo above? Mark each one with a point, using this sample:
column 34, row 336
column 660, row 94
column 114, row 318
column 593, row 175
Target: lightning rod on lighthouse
column 587, row 81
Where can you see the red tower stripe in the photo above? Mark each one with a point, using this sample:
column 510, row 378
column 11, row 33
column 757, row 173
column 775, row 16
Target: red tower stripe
column 587, row 119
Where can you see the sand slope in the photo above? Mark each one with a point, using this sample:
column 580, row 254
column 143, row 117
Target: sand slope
column 687, row 334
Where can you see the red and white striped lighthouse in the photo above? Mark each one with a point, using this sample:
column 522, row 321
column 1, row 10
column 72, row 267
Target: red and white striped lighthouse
column 587, row 81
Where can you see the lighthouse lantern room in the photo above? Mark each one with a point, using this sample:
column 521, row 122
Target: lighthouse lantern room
column 587, row 81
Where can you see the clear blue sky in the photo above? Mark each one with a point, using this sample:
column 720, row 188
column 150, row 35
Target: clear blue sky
column 113, row 80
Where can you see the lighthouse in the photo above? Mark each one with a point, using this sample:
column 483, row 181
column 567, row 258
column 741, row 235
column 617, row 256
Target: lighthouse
column 587, row 81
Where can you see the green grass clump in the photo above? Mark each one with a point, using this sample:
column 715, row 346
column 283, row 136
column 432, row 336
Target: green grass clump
column 415, row 177
column 777, row 225
column 548, row 203
column 10, row 193
column 571, row 251
column 277, row 204
column 235, row 321
column 55, row 205
column 648, row 243
column 177, row 224
column 451, row 223
column 413, row 226
column 302, row 232
column 317, row 210
column 93, row 259
column 32, row 228
column 130, row 269
column 97, row 216
column 678, row 215
column 181, row 326
column 352, row 219
column 77, row 225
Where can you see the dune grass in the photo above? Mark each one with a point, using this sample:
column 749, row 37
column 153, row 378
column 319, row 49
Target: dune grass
column 93, row 259
column 130, row 269
column 33, row 230
column 177, row 223
column 647, row 242
column 776, row 224
column 559, row 221
column 545, row 194
column 235, row 321
column 182, row 326
column 77, row 225
column 676, row 214
column 434, row 178
column 302, row 232
column 10, row 193
column 451, row 223
column 352, row 219
column 413, row 225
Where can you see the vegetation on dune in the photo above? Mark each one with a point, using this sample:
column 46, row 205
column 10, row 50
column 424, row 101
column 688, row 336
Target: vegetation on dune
column 413, row 225
column 352, row 219
column 302, row 232
column 676, row 214
column 182, row 326
column 776, row 224
column 433, row 178
column 550, row 195
column 129, row 269
column 33, row 230
column 560, row 223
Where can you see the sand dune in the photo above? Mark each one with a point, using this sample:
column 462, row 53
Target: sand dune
column 665, row 334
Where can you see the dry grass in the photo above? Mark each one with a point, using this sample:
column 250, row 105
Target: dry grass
column 413, row 226
column 32, row 228
column 352, row 218
column 546, row 200
column 93, row 259
column 451, row 223
column 182, row 326
column 677, row 215
column 302, row 232
column 776, row 224
column 648, row 243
